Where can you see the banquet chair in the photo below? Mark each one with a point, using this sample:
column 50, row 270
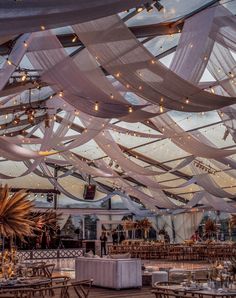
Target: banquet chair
column 60, row 280
column 82, row 288
column 48, row 270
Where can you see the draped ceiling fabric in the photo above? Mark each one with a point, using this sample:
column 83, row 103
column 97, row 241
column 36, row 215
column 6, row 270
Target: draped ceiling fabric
column 123, row 56
column 20, row 16
column 207, row 41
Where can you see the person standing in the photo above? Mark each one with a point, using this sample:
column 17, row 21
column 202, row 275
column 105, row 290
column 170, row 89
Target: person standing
column 103, row 240
column 114, row 238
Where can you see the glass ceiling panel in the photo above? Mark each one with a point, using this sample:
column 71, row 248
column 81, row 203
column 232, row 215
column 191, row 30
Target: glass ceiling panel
column 173, row 10
column 162, row 151
column 161, row 44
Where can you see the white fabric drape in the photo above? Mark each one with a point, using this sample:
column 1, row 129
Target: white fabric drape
column 32, row 15
column 123, row 56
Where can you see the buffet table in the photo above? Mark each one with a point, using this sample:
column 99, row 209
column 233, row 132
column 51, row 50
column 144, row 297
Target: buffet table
column 110, row 273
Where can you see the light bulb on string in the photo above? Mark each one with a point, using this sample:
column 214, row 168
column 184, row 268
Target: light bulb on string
column 139, row 9
column 96, row 107
column 24, row 77
column 130, row 109
column 9, row 61
column 61, row 93
column 117, row 75
column 161, row 109
column 25, row 44
column 74, row 38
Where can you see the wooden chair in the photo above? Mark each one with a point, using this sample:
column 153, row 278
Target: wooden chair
column 60, row 280
column 82, row 288
column 48, row 270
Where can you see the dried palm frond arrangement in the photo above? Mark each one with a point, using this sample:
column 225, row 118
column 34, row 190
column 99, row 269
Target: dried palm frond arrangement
column 17, row 218
column 210, row 227
column 48, row 219
column 129, row 225
column 14, row 214
column 232, row 221
column 144, row 224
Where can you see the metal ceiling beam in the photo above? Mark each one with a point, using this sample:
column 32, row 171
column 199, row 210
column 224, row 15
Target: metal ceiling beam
column 21, row 107
column 35, row 190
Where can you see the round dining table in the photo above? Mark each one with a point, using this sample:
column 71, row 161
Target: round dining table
column 31, row 282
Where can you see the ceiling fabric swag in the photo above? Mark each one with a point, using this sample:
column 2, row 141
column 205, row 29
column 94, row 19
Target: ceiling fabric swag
column 188, row 141
column 14, row 58
column 110, row 147
column 195, row 45
column 33, row 15
column 70, row 75
column 209, row 184
column 207, row 200
column 123, row 56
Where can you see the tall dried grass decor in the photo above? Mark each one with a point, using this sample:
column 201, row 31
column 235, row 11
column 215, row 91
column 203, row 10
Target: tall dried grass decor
column 14, row 214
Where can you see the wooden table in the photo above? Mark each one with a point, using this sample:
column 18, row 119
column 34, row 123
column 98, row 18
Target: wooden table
column 30, row 282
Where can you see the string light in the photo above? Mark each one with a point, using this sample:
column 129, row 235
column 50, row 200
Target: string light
column 25, row 44
column 9, row 61
column 139, row 9
column 187, row 100
column 130, row 109
column 96, row 106
column 42, row 27
column 61, row 93
column 16, row 120
column 212, row 90
column 74, row 38
column 24, row 77
column 161, row 109
column 117, row 75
